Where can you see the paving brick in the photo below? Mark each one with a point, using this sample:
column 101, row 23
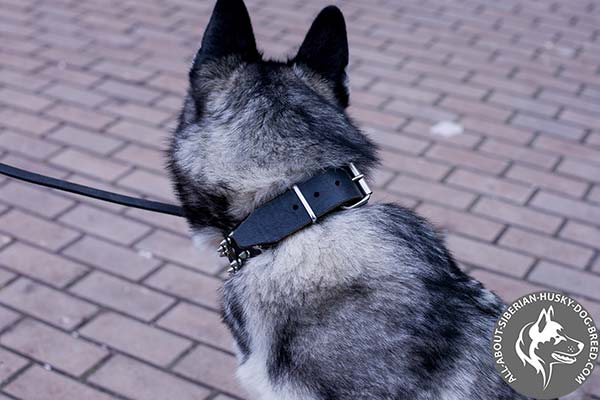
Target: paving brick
column 422, row 130
column 139, row 133
column 123, row 71
column 128, row 91
column 209, row 365
column 457, row 156
column 53, row 347
column 545, row 126
column 26, row 145
column 167, row 222
column 414, row 165
column 104, row 224
column 142, row 156
column 86, row 140
column 583, row 170
column 497, row 130
column 567, row 279
column 10, row 363
column 581, row 233
column 383, row 196
column 121, row 295
column 21, row 80
column 187, row 284
column 456, row 221
column 78, row 79
column 567, row 149
column 508, row 289
column 424, row 111
column 490, row 186
column 77, row 95
column 517, row 153
column 23, row 100
column 79, row 115
column 155, row 185
column 46, row 304
column 594, row 194
column 7, row 317
column 29, row 197
column 489, row 256
column 28, row 260
column 111, row 258
column 565, row 99
column 517, row 215
column 25, row 122
column 435, row 192
column 143, row 382
column 198, row 324
column 546, row 247
column 565, row 206
column 463, row 106
column 397, row 141
column 502, row 83
column 525, row 104
column 37, row 384
column 146, row 114
column 377, row 118
column 132, row 337
column 551, row 181
column 455, row 88
column 180, row 250
column 35, row 230
column 89, row 164
column 587, row 120
column 170, row 83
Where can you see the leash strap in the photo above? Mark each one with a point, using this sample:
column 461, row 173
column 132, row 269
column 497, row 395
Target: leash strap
column 88, row 191
column 295, row 209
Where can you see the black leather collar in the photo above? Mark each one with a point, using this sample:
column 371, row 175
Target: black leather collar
column 293, row 210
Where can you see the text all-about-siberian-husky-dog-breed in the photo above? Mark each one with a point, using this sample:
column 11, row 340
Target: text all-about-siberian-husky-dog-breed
column 366, row 303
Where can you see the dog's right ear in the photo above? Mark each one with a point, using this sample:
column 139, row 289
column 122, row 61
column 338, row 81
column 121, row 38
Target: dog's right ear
column 229, row 33
column 325, row 50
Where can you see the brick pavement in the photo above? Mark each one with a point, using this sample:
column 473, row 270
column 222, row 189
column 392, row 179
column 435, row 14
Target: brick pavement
column 101, row 302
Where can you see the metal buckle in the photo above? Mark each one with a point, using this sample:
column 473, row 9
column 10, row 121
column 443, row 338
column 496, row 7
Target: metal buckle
column 305, row 203
column 229, row 250
column 362, row 184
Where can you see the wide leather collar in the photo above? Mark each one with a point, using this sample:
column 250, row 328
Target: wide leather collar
column 302, row 205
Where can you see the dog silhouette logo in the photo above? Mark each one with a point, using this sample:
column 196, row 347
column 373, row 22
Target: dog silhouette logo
column 545, row 345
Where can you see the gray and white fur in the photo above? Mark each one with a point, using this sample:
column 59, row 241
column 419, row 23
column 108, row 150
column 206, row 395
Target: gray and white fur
column 366, row 303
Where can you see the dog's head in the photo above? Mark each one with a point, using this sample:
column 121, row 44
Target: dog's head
column 250, row 128
column 544, row 343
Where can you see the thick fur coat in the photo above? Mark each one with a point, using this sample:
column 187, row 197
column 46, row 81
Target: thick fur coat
column 365, row 304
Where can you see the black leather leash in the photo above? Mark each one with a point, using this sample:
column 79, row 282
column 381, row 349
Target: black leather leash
column 87, row 191
column 286, row 214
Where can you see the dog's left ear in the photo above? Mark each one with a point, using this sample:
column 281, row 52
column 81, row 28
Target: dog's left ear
column 325, row 50
column 229, row 32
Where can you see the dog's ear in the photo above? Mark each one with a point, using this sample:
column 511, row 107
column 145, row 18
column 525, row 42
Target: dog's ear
column 544, row 318
column 229, row 32
column 325, row 50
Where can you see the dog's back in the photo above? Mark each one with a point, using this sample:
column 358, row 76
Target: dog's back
column 365, row 304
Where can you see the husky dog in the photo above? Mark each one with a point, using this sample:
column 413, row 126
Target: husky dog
column 366, row 303
column 543, row 344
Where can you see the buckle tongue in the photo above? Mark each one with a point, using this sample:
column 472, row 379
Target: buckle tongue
column 362, row 184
